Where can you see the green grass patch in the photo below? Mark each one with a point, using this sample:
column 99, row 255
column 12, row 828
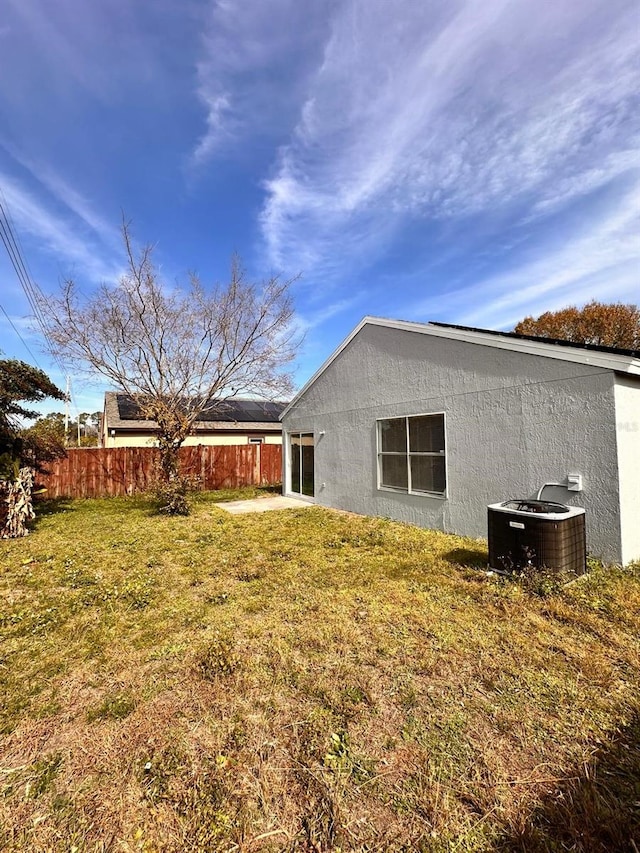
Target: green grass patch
column 306, row 680
column 116, row 706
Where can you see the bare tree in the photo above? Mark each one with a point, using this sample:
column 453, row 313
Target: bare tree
column 178, row 353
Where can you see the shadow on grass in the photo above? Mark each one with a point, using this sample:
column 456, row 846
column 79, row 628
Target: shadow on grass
column 153, row 506
column 108, row 506
column 598, row 811
column 470, row 557
column 49, row 506
column 243, row 493
column 146, row 501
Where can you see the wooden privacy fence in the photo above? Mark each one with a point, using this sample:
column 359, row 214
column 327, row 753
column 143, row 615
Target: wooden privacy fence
column 96, row 472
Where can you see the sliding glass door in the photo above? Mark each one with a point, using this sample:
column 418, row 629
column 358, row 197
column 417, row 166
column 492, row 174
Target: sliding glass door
column 301, row 463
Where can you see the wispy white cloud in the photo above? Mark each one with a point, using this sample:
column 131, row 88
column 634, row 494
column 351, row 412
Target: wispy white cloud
column 64, row 193
column 219, row 122
column 100, row 49
column 599, row 261
column 65, row 238
column 253, row 63
column 423, row 112
column 306, row 321
column 68, row 39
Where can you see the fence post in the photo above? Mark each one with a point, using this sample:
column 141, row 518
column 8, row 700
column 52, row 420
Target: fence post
column 257, row 478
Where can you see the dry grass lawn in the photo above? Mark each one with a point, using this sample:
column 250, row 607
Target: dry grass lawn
column 306, row 680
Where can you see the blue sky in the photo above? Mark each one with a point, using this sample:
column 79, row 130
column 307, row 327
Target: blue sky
column 455, row 160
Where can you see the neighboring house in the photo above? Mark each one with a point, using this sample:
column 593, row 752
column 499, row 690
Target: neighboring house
column 430, row 423
column 234, row 422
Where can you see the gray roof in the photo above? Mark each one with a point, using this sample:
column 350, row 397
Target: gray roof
column 634, row 353
column 123, row 413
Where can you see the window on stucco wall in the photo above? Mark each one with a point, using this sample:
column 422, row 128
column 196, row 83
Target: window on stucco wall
column 411, row 454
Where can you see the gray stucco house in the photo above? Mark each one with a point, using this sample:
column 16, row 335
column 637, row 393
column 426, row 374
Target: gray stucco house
column 430, row 423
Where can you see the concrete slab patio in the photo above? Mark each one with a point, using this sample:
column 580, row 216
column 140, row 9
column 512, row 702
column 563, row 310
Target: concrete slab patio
column 263, row 504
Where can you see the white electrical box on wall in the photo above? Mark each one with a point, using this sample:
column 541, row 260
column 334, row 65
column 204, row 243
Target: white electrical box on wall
column 574, row 482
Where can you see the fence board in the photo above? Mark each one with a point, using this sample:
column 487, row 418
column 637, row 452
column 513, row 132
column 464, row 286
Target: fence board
column 95, row 472
column 271, row 464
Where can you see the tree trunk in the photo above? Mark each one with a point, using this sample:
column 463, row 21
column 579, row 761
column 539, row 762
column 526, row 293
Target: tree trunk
column 169, row 458
column 171, row 490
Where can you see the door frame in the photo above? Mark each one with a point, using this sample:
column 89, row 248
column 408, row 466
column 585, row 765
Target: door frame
column 288, row 460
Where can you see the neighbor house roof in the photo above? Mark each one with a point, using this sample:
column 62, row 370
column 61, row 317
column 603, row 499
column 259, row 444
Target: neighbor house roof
column 610, row 358
column 123, row 413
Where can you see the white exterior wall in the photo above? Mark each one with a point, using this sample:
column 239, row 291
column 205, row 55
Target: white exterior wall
column 627, row 397
column 513, row 422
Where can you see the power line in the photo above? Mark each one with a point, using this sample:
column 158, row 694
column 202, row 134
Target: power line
column 31, row 290
column 24, row 343
column 34, row 295
column 17, row 261
column 14, row 256
column 33, row 286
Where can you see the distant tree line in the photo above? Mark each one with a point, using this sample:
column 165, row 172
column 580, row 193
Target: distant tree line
column 49, row 431
column 609, row 325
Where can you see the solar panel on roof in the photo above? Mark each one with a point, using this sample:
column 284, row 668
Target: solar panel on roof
column 557, row 341
column 243, row 411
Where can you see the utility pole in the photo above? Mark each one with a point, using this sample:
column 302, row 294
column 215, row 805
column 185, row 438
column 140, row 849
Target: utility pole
column 67, row 397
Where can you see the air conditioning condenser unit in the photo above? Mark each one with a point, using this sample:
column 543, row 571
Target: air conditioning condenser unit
column 537, row 533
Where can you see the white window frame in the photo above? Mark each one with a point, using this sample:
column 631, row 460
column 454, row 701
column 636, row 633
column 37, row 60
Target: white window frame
column 255, row 439
column 379, row 454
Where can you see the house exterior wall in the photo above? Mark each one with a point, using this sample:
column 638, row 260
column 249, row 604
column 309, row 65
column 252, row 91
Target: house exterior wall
column 627, row 397
column 513, row 422
column 132, row 440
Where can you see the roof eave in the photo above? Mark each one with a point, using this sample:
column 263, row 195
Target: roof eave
column 201, row 426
